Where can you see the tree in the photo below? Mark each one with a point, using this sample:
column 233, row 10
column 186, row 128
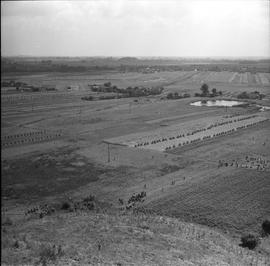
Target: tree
column 249, row 241
column 214, row 91
column 170, row 95
column 266, row 227
column 108, row 84
column 205, row 89
column 114, row 89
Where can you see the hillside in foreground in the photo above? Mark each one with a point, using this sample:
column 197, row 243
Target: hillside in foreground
column 120, row 238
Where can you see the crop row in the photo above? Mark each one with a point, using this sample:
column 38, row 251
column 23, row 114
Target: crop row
column 23, row 135
column 215, row 130
column 28, row 139
column 181, row 135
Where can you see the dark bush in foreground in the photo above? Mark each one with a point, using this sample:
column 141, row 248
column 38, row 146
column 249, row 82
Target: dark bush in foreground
column 249, row 241
column 266, row 227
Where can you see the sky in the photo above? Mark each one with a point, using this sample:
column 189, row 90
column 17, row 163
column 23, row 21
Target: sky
column 193, row 28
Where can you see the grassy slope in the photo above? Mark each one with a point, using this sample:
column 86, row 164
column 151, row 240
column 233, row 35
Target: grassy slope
column 92, row 238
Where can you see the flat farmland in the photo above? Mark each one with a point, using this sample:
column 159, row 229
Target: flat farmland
column 186, row 182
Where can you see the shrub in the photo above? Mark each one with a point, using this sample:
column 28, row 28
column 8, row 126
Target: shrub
column 16, row 244
column 90, row 205
column 88, row 202
column 266, row 227
column 65, row 206
column 89, row 198
column 249, row 241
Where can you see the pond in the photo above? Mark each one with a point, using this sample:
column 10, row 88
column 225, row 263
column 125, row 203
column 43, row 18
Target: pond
column 210, row 103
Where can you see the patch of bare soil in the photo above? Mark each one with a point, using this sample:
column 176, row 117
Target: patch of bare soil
column 47, row 174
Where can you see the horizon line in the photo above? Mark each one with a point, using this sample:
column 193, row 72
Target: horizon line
column 138, row 57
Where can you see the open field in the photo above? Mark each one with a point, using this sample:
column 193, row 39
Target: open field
column 55, row 145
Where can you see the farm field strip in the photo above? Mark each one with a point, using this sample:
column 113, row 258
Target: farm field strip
column 224, row 76
column 244, row 78
column 168, row 118
column 263, row 79
column 29, row 137
column 251, row 78
column 267, row 75
column 257, row 79
column 211, row 76
column 42, row 99
column 201, row 136
column 236, row 78
column 241, row 78
column 232, row 77
column 186, row 133
column 146, row 136
column 6, row 112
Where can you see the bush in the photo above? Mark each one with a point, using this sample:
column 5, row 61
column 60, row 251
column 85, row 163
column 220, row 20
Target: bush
column 65, row 206
column 16, row 244
column 266, row 227
column 88, row 202
column 90, row 205
column 249, row 241
column 89, row 198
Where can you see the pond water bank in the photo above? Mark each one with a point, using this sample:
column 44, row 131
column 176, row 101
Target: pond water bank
column 213, row 103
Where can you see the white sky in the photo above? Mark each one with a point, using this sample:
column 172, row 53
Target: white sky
column 136, row 28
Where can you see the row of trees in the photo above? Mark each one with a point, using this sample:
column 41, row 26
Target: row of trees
column 175, row 95
column 206, row 93
column 127, row 92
